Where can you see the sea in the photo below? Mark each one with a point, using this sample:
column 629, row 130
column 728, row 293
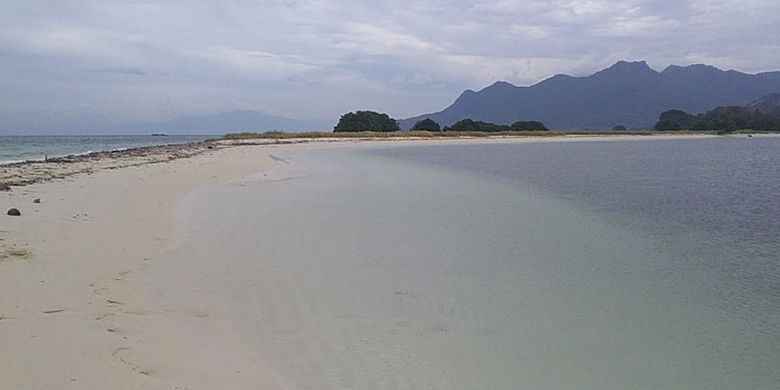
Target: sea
column 603, row 265
column 23, row 148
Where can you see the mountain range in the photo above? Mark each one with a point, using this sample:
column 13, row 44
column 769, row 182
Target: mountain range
column 628, row 93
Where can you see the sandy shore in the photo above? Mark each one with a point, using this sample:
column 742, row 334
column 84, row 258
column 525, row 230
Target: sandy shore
column 30, row 172
column 70, row 316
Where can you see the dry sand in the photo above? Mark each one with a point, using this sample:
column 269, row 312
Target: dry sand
column 70, row 316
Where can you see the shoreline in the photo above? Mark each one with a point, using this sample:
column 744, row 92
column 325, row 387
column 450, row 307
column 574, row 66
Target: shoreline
column 23, row 173
column 27, row 172
column 69, row 305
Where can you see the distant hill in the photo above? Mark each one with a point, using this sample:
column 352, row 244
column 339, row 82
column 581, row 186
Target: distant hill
column 627, row 93
column 221, row 123
column 213, row 124
column 769, row 104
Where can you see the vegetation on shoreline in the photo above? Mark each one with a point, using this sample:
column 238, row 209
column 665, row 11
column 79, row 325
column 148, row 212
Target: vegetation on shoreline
column 362, row 121
column 394, row 134
column 471, row 125
column 280, row 135
column 726, row 119
column 763, row 114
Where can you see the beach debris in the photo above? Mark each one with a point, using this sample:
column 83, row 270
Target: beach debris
column 37, row 200
column 53, row 311
column 14, row 212
column 5, row 187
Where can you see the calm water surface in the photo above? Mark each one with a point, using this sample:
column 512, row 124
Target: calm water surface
column 706, row 196
column 551, row 266
column 724, row 186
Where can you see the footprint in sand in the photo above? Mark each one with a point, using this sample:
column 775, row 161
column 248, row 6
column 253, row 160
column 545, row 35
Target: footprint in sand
column 104, row 316
column 121, row 354
column 12, row 254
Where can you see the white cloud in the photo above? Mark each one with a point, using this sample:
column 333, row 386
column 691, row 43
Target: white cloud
column 318, row 58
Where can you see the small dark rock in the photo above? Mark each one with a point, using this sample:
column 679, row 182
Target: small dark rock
column 5, row 187
column 14, row 212
column 37, row 200
column 210, row 147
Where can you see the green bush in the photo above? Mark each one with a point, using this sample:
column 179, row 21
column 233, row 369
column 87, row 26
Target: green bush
column 366, row 121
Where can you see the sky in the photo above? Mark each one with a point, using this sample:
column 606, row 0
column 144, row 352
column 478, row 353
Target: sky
column 89, row 63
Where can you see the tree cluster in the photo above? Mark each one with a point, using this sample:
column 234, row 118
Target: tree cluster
column 727, row 118
column 426, row 124
column 366, row 121
column 472, row 125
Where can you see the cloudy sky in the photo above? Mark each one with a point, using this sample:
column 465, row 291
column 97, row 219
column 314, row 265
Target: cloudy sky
column 101, row 62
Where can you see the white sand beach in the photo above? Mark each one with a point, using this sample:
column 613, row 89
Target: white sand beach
column 68, row 318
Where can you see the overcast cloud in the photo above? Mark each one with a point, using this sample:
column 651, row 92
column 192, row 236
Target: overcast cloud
column 120, row 61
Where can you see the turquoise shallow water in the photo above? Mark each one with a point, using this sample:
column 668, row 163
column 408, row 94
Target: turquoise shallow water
column 381, row 268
